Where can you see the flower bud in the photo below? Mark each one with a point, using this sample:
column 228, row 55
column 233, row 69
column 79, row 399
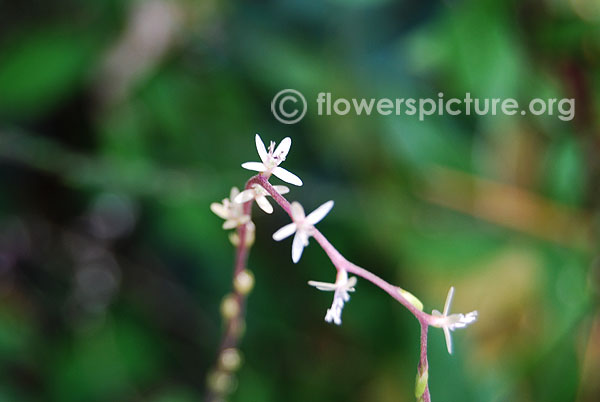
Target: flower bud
column 421, row 384
column 244, row 282
column 411, row 299
column 221, row 382
column 230, row 307
column 230, row 359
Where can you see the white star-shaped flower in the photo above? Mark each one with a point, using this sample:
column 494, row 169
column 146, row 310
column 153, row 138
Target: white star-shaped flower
column 303, row 226
column 342, row 286
column 259, row 194
column 231, row 211
column 271, row 160
column 451, row 322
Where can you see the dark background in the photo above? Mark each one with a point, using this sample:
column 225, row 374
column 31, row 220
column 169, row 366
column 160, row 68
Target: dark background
column 121, row 121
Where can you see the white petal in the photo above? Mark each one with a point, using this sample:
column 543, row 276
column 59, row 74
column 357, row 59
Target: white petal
column 343, row 293
column 244, row 196
column 470, row 318
column 297, row 211
column 286, row 176
column 333, row 316
column 219, row 210
column 318, row 214
column 350, row 284
column 449, row 300
column 329, row 316
column 262, row 202
column 257, row 166
column 260, row 147
column 283, row 148
column 233, row 193
column 461, row 320
column 448, row 340
column 325, row 286
column 300, row 240
column 284, row 232
column 281, row 189
column 230, row 224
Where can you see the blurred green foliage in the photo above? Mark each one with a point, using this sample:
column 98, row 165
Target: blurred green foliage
column 120, row 122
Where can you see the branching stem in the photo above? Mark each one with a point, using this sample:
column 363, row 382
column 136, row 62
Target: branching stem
column 232, row 333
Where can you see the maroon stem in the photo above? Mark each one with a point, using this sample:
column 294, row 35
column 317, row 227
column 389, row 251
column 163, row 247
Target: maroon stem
column 232, row 332
column 423, row 364
column 234, row 326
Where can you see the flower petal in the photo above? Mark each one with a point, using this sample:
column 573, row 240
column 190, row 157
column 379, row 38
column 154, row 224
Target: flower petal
column 448, row 300
column 448, row 340
column 350, row 284
column 285, row 232
column 219, row 210
column 318, row 214
column 260, row 147
column 264, row 204
column 244, row 196
column 282, row 189
column 286, row 176
column 300, row 241
column 325, row 286
column 230, row 224
column 297, row 211
column 471, row 317
column 332, row 315
column 461, row 320
column 283, row 148
column 257, row 166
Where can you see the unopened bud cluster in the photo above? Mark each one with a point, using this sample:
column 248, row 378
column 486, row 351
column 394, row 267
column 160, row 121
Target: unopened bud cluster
column 222, row 381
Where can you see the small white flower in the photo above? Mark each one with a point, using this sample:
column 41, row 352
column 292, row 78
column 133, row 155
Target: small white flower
column 451, row 322
column 271, row 160
column 231, row 211
column 258, row 193
column 303, row 226
column 341, row 287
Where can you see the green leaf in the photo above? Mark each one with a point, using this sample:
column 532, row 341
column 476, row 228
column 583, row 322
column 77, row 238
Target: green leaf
column 40, row 67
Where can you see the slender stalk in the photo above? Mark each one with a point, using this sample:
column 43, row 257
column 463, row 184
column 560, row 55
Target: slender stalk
column 233, row 333
column 340, row 262
column 219, row 381
column 423, row 368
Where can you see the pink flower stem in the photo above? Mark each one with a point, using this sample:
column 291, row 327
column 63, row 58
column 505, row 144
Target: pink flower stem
column 234, row 325
column 339, row 261
column 342, row 263
column 232, row 333
column 423, row 364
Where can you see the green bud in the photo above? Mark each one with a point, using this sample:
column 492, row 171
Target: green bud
column 230, row 308
column 421, row 384
column 411, row 299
